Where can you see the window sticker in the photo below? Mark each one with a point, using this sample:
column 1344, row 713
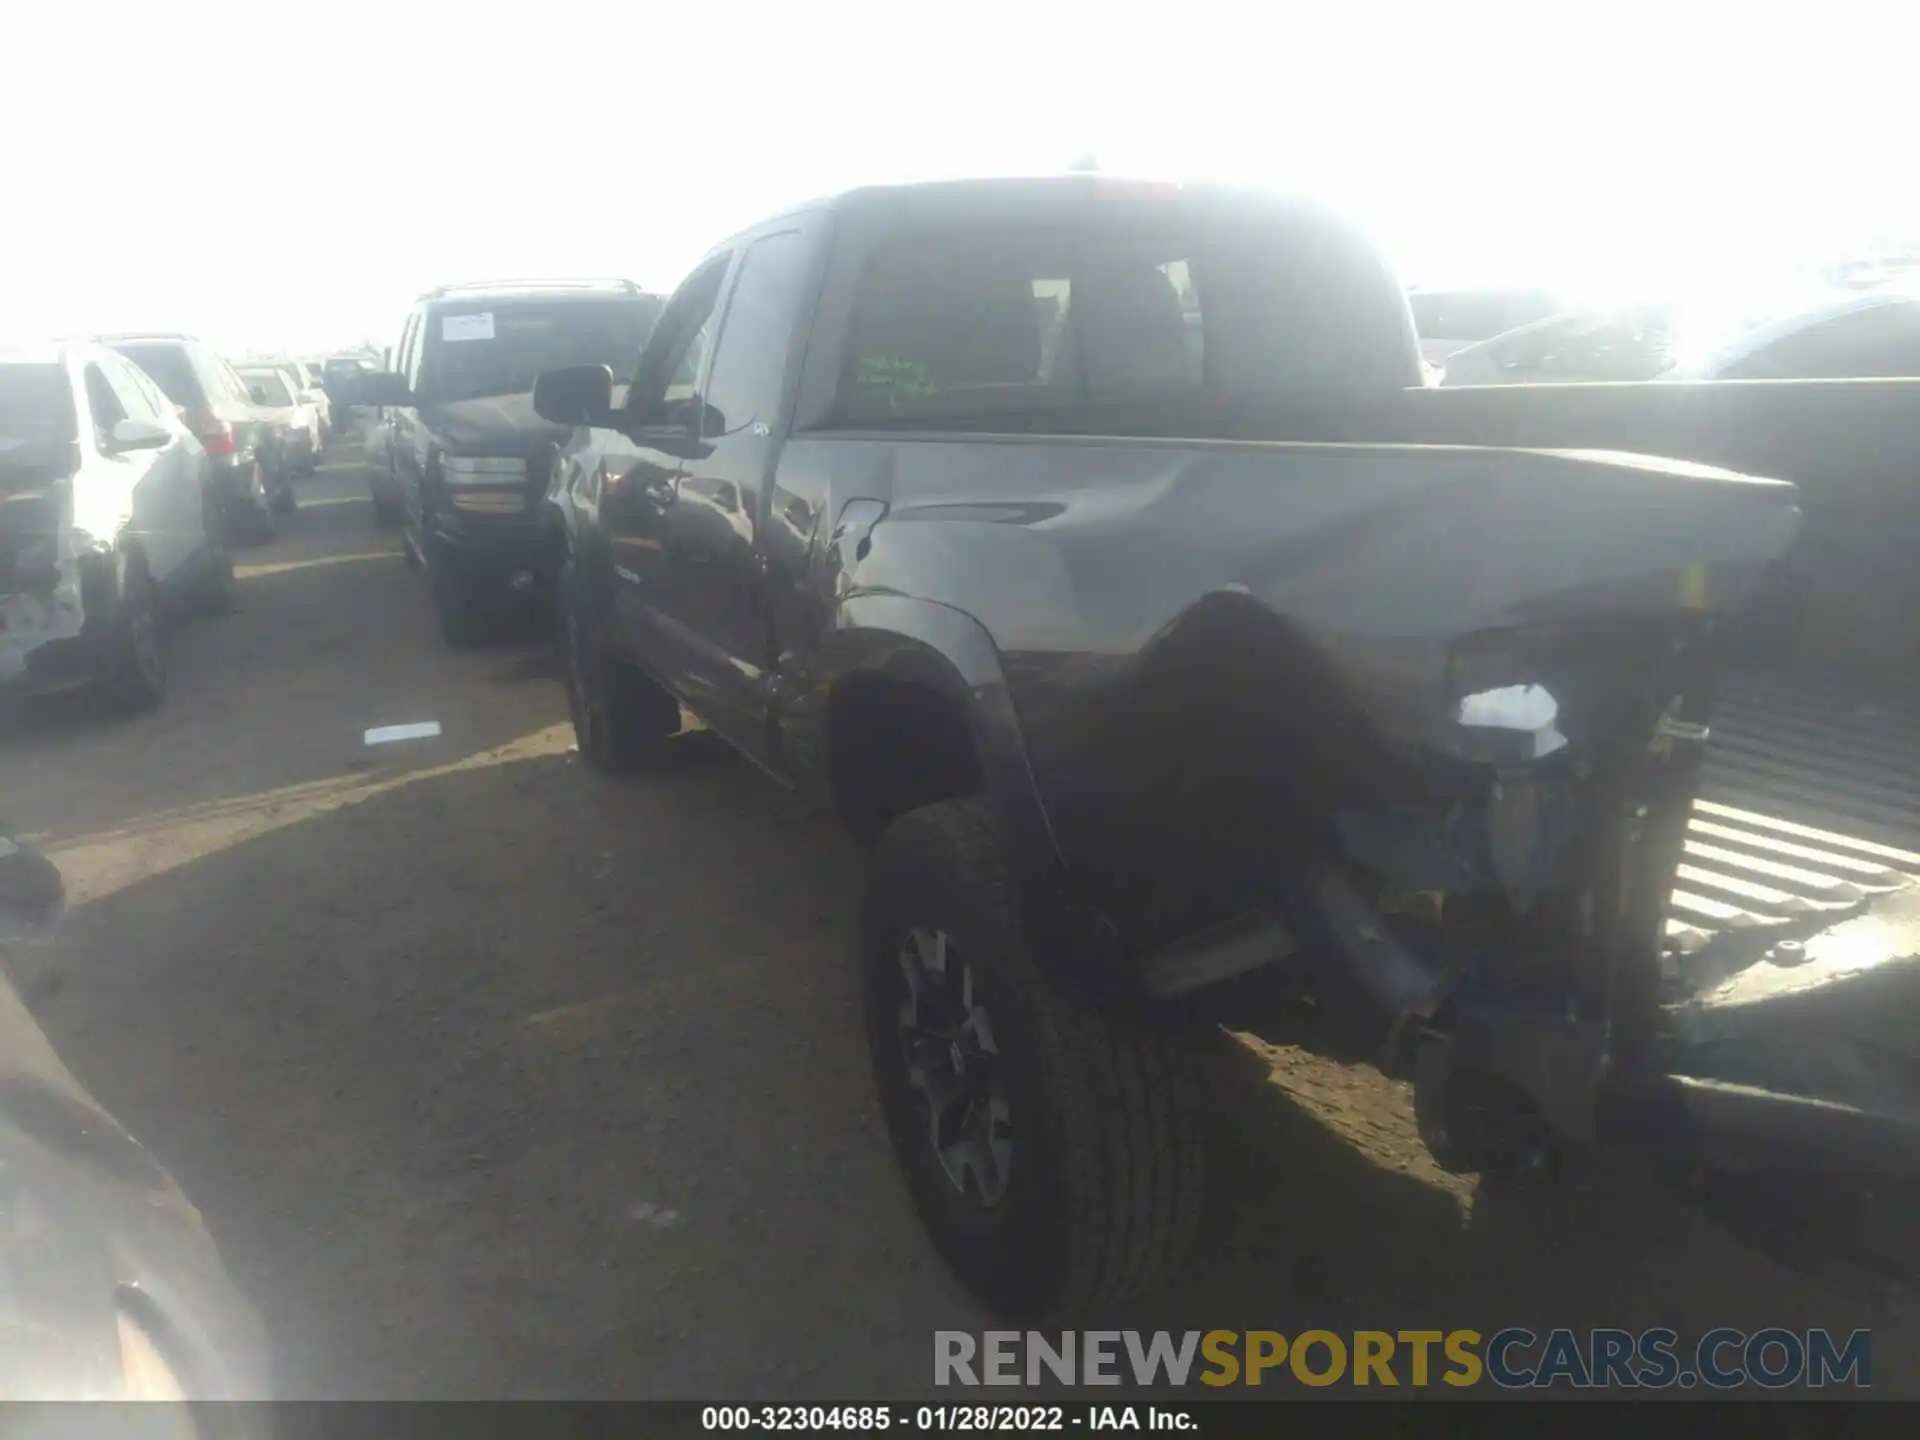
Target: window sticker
column 467, row 327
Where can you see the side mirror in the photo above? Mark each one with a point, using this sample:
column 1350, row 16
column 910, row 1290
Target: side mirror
column 137, row 434
column 575, row 395
column 371, row 388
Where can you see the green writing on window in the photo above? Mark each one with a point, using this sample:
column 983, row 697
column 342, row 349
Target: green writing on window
column 893, row 378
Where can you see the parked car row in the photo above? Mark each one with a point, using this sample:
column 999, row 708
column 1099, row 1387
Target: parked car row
column 129, row 464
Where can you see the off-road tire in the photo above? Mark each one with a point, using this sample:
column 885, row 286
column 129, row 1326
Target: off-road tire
column 1106, row 1178
column 621, row 718
column 134, row 677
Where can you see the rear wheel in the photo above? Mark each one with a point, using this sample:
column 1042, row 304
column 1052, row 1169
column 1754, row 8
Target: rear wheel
column 135, row 675
column 1053, row 1152
column 620, row 717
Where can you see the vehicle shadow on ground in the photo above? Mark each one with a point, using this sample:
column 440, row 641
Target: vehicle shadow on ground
column 510, row 1081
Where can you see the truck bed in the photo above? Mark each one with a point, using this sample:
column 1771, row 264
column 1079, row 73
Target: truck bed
column 1810, row 808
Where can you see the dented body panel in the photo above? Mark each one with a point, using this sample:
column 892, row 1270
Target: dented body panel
column 1200, row 641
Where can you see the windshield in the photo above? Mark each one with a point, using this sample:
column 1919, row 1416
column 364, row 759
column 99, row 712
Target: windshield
column 36, row 406
column 269, row 383
column 498, row 347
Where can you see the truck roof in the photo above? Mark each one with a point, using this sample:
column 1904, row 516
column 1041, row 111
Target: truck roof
column 1039, row 196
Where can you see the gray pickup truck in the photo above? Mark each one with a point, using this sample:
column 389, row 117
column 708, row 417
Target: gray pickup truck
column 1095, row 549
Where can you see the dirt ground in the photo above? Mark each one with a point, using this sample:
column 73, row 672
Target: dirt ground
column 497, row 1078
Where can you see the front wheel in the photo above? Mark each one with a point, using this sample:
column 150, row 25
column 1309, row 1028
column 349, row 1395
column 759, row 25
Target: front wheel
column 1054, row 1153
column 620, row 717
column 134, row 679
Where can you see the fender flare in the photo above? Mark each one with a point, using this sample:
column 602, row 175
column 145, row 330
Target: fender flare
column 949, row 652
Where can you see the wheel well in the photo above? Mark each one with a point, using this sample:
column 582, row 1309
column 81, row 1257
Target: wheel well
column 892, row 746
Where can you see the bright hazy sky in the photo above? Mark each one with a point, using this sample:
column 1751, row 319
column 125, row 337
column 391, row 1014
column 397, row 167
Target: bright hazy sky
column 278, row 173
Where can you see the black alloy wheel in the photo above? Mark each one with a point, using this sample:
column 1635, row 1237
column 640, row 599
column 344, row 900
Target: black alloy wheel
column 1054, row 1151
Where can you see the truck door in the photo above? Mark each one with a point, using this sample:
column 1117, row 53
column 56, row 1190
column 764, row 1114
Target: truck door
column 638, row 490
column 714, row 557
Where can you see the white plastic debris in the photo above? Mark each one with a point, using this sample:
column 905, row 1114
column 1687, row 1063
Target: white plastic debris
column 388, row 734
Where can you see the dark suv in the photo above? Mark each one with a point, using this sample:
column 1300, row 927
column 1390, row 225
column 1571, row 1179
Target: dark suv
column 468, row 459
column 251, row 475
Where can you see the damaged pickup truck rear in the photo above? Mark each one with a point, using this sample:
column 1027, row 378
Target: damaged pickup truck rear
column 957, row 523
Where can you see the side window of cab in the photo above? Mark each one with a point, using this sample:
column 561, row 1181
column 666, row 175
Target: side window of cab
column 672, row 365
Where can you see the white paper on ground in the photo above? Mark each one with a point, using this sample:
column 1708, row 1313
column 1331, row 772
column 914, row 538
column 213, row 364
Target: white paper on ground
column 467, row 327
column 387, row 734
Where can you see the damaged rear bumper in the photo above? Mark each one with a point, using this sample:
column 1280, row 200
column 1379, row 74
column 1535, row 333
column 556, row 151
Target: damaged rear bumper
column 45, row 644
column 1559, row 968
